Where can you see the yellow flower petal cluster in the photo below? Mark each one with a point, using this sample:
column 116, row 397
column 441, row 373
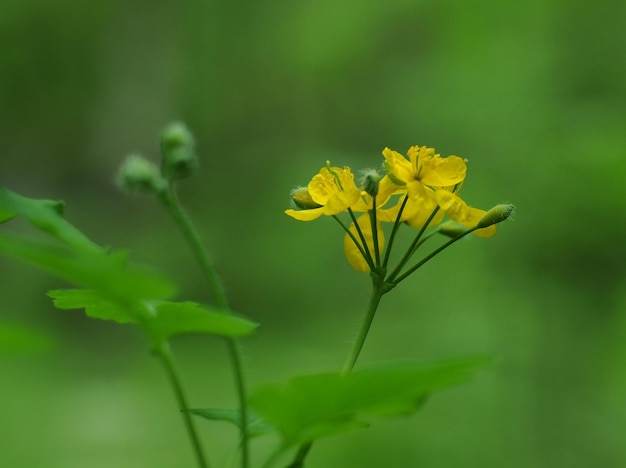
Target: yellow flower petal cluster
column 416, row 187
column 333, row 189
column 431, row 181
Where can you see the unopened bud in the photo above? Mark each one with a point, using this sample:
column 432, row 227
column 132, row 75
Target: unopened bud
column 178, row 151
column 451, row 229
column 371, row 181
column 496, row 215
column 139, row 174
column 302, row 199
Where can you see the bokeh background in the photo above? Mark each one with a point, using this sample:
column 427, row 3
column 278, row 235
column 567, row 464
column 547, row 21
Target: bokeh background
column 533, row 94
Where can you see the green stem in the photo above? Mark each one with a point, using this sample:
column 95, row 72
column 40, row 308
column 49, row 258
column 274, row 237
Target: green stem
column 378, row 289
column 377, row 294
column 372, row 215
column 431, row 255
column 171, row 202
column 412, row 247
column 394, row 230
column 303, row 451
column 164, row 354
column 365, row 254
column 369, row 258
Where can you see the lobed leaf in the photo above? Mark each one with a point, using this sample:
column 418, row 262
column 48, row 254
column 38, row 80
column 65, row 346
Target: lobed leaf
column 161, row 320
column 46, row 215
column 108, row 273
column 175, row 318
column 308, row 407
column 96, row 304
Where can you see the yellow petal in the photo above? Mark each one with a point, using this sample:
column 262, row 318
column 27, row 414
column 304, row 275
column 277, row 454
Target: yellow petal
column 462, row 213
column 399, row 169
column 305, row 215
column 334, row 188
column 443, row 172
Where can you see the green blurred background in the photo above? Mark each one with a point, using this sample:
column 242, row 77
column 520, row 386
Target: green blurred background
column 533, row 94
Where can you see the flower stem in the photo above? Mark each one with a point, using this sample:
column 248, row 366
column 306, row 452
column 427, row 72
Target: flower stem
column 377, row 294
column 171, row 202
column 431, row 255
column 394, row 230
column 170, row 199
column 365, row 254
column 378, row 290
column 372, row 215
column 164, row 354
column 412, row 248
column 303, row 451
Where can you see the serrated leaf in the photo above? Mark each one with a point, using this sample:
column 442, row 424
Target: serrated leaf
column 45, row 215
column 308, row 407
column 108, row 273
column 175, row 318
column 96, row 304
column 256, row 425
column 18, row 338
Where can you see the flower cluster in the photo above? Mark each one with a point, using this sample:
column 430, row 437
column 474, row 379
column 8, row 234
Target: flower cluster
column 419, row 189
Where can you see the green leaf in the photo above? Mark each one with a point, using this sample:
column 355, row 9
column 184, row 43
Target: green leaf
column 96, row 304
column 160, row 319
column 175, row 318
column 108, row 273
column 45, row 215
column 17, row 338
column 256, row 425
column 308, row 407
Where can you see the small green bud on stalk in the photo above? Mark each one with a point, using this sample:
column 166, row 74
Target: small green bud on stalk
column 302, row 199
column 137, row 174
column 451, row 229
column 178, row 151
column 496, row 215
column 371, row 181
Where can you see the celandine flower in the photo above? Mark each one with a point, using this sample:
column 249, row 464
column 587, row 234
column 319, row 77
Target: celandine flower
column 333, row 190
column 418, row 189
column 431, row 181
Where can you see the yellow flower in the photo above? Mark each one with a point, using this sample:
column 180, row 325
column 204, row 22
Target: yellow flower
column 421, row 176
column 422, row 185
column 424, row 168
column 333, row 189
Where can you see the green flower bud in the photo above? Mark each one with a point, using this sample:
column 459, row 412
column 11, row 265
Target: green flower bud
column 370, row 181
column 496, row 215
column 302, row 199
column 178, row 151
column 139, row 174
column 451, row 229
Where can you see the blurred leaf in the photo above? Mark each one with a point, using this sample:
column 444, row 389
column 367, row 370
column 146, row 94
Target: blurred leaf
column 163, row 319
column 175, row 318
column 5, row 215
column 312, row 406
column 96, row 270
column 96, row 305
column 45, row 215
column 17, row 338
column 256, row 425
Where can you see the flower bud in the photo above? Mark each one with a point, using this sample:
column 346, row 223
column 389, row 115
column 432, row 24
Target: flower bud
column 496, row 215
column 178, row 151
column 302, row 199
column 139, row 174
column 371, row 181
column 451, row 229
